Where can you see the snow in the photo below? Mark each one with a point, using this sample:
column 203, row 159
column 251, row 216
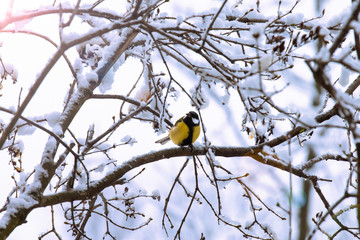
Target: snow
column 179, row 20
column 83, row 180
column 352, row 63
column 200, row 96
column 156, row 193
column 339, row 18
column 69, row 36
column 82, row 82
column 143, row 104
column 100, row 167
column 261, row 129
column 344, row 76
column 357, row 134
column 294, row 18
column 21, row 202
column 52, row 118
column 20, row 145
column 356, row 26
column 257, row 30
column 348, row 100
column 39, row 170
column 8, row 68
column 58, row 130
column 91, row 77
column 78, row 67
column 210, row 154
column 128, row 140
column 143, row 94
column 226, row 98
column 26, row 130
column 324, row 54
column 50, row 145
column 108, row 51
column 61, row 168
column 106, row 82
column 229, row 220
column 263, row 64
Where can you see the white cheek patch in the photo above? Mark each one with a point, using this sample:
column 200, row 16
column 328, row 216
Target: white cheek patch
column 195, row 121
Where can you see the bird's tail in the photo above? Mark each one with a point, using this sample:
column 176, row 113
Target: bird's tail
column 164, row 140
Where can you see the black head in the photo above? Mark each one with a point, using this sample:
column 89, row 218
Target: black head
column 192, row 118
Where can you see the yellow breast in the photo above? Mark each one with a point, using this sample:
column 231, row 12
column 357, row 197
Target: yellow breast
column 196, row 133
column 178, row 133
column 181, row 131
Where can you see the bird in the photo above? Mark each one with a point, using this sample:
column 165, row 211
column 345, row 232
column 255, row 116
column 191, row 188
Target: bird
column 185, row 131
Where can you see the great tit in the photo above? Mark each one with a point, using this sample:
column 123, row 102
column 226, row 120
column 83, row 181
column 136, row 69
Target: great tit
column 185, row 131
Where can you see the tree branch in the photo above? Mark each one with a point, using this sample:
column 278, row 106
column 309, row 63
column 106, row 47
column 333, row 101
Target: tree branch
column 96, row 187
column 47, row 165
column 346, row 28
